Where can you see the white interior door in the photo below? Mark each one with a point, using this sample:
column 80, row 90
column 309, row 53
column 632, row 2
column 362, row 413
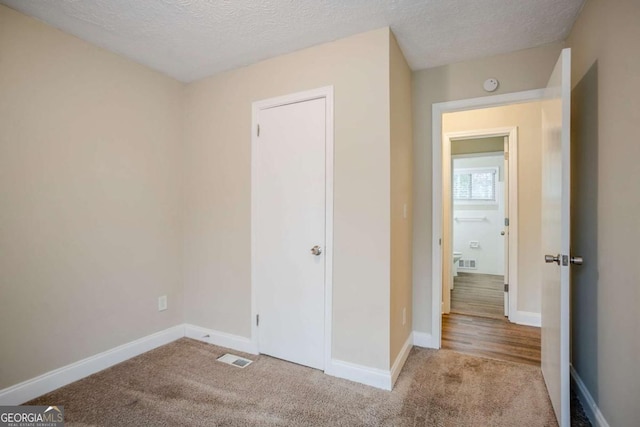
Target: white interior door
column 289, row 222
column 555, row 236
column 505, row 231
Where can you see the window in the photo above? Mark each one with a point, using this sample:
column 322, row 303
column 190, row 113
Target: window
column 474, row 185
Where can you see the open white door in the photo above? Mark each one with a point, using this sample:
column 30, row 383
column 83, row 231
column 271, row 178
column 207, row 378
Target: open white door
column 556, row 174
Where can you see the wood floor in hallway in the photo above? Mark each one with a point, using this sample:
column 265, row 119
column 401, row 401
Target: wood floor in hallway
column 478, row 295
column 494, row 338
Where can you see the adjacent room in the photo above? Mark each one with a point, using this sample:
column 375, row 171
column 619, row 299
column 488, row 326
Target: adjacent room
column 319, row 213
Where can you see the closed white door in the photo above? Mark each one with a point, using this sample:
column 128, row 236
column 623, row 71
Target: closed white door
column 556, row 276
column 289, row 231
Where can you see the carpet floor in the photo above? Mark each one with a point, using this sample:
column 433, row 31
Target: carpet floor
column 182, row 384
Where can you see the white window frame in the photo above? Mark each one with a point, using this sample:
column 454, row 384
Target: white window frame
column 484, row 202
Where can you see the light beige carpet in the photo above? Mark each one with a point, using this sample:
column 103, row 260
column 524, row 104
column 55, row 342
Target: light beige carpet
column 182, row 384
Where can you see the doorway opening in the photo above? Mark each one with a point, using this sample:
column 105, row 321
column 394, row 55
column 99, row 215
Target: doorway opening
column 480, row 207
column 490, row 230
column 479, row 274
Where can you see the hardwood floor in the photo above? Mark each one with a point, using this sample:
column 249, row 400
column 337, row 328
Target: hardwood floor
column 478, row 295
column 494, row 338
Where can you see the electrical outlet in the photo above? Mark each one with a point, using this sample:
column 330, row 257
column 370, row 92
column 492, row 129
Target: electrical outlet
column 162, row 303
column 404, row 316
column 404, row 211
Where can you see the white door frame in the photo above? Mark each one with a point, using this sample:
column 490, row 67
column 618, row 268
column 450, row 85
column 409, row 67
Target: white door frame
column 438, row 110
column 512, row 134
column 326, row 93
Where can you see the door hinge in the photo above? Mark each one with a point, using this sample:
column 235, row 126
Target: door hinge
column 258, row 130
column 257, row 320
column 506, row 155
column 506, row 222
column 440, row 242
column 506, row 287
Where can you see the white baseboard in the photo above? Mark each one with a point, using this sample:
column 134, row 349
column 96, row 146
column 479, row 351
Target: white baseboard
column 30, row 389
column 526, row 318
column 396, row 368
column 234, row 342
column 423, row 339
column 588, row 404
column 373, row 377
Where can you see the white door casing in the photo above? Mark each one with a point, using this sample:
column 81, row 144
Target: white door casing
column 292, row 160
column 556, row 173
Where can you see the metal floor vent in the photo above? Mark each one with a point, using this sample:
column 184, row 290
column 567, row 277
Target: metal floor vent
column 467, row 264
column 237, row 361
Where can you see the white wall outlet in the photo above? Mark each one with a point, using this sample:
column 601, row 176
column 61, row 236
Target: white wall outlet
column 162, row 303
column 404, row 316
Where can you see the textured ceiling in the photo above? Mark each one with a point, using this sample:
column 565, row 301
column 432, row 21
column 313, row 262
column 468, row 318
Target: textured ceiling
column 191, row 39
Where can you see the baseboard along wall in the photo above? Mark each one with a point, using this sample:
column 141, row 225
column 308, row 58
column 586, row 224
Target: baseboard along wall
column 47, row 382
column 401, row 359
column 526, row 318
column 424, row 339
column 221, row 339
column 30, row 389
column 589, row 405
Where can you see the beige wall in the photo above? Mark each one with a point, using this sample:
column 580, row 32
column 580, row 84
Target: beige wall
column 527, row 118
column 606, row 226
column 89, row 199
column 522, row 70
column 401, row 195
column 477, row 145
column 217, row 166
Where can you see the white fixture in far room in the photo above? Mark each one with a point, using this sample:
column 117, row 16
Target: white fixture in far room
column 456, row 258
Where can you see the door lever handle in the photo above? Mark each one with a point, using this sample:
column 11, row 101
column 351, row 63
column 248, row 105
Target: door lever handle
column 550, row 258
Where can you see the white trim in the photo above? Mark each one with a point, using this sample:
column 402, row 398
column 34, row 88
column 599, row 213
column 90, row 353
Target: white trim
column 30, row 389
column 438, row 109
column 327, row 93
column 396, row 368
column 373, row 377
column 589, row 405
column 423, row 339
column 526, row 318
column 222, row 339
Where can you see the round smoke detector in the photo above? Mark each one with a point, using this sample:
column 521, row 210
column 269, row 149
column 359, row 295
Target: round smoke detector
column 491, row 85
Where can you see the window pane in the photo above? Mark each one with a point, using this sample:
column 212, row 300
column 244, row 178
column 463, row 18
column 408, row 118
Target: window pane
column 482, row 186
column 462, row 186
column 478, row 184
